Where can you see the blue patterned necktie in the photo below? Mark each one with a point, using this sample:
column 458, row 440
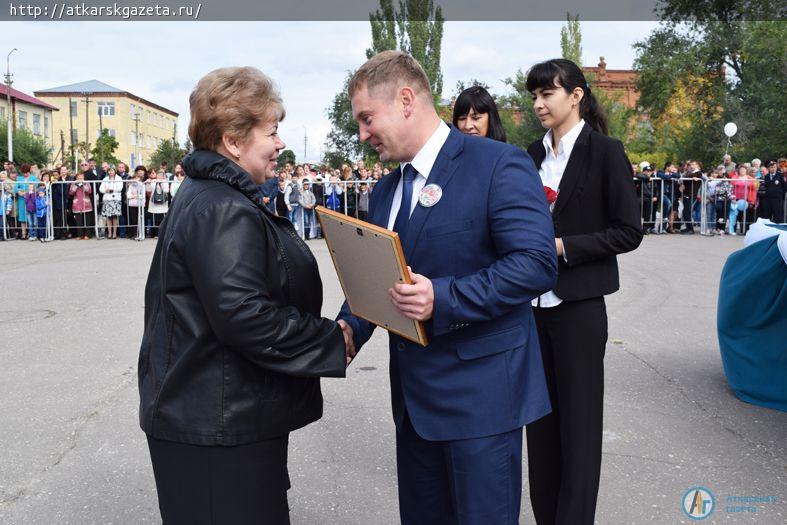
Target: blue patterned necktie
column 403, row 217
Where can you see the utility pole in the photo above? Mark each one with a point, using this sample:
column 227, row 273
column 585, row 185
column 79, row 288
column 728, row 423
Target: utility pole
column 136, row 140
column 100, row 132
column 71, row 131
column 87, row 125
column 8, row 83
column 305, row 140
column 63, row 146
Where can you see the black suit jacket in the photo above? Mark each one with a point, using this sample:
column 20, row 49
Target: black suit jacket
column 775, row 186
column 596, row 214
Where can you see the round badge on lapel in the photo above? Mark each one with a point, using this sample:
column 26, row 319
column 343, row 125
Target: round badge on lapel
column 430, row 195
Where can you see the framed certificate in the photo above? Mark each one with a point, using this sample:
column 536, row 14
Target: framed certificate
column 369, row 260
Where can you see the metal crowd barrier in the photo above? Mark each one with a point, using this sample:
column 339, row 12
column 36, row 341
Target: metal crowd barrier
column 94, row 219
column 133, row 220
column 137, row 221
column 684, row 203
column 345, row 201
column 662, row 203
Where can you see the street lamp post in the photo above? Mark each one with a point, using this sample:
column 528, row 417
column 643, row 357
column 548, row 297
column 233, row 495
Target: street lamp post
column 8, row 83
column 305, row 140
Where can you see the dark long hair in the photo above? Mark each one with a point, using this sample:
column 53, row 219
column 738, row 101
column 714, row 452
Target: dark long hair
column 559, row 72
column 481, row 101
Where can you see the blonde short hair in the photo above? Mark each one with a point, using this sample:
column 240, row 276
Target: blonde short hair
column 389, row 69
column 231, row 100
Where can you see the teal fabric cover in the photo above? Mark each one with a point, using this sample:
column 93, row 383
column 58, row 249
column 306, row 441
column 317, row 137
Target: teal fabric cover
column 752, row 323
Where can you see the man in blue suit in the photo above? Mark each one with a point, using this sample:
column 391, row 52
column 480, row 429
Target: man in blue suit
column 476, row 231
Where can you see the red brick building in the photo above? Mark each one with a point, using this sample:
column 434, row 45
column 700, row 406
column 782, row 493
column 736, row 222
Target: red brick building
column 618, row 84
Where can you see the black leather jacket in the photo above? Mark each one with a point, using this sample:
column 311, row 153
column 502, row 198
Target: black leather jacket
column 234, row 344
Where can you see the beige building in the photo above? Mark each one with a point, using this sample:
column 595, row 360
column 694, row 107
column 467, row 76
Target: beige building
column 138, row 124
column 28, row 113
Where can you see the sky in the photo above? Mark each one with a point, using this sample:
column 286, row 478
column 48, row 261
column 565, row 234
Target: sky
column 162, row 61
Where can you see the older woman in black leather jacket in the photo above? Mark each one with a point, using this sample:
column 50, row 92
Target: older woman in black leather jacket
column 234, row 343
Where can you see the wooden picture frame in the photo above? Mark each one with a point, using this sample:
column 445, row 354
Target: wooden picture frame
column 369, row 260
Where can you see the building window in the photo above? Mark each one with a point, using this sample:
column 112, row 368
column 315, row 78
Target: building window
column 133, row 111
column 74, row 136
column 133, row 139
column 2, row 114
column 46, row 126
column 148, row 117
column 23, row 119
column 147, row 141
column 106, row 109
column 36, row 124
column 110, row 132
column 73, row 109
column 141, row 140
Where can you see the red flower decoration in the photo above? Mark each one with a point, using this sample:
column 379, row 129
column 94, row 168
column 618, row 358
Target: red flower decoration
column 550, row 194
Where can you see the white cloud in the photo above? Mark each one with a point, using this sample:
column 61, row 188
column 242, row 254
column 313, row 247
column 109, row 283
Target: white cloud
column 162, row 61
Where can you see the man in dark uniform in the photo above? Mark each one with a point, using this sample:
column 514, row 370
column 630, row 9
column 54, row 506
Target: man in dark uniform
column 772, row 203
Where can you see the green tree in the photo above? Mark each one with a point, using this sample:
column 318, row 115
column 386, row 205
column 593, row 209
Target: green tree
column 343, row 142
column 420, row 34
column 28, row 148
column 760, row 99
column 383, row 22
column 169, row 151
column 708, row 64
column 525, row 128
column 82, row 150
column 105, row 147
column 416, row 27
column 284, row 157
column 621, row 119
column 461, row 85
column 571, row 40
column 335, row 159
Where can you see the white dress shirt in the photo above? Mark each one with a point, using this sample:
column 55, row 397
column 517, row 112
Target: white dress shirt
column 423, row 163
column 551, row 172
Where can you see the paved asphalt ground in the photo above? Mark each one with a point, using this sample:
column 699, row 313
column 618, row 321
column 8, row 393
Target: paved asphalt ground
column 71, row 451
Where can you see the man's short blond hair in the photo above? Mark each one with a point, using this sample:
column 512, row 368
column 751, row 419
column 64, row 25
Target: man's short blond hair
column 389, row 70
column 231, row 100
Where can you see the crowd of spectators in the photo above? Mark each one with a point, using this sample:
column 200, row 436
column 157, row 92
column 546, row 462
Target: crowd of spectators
column 684, row 198
column 295, row 190
column 105, row 201
column 109, row 201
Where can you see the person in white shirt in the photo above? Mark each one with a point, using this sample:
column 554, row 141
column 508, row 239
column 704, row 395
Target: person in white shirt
column 112, row 190
column 596, row 216
column 135, row 201
column 475, row 229
column 157, row 189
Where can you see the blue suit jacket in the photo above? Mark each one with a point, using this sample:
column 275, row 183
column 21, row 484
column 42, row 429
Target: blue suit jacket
column 488, row 247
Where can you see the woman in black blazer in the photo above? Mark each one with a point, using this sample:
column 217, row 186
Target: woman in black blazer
column 596, row 217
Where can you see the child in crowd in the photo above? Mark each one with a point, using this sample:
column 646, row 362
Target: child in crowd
column 40, row 212
column 363, row 201
column 30, row 211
